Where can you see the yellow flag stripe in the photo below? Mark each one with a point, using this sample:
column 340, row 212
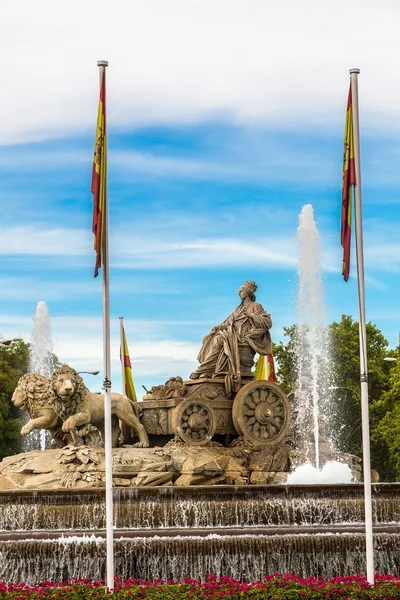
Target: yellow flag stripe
column 260, row 368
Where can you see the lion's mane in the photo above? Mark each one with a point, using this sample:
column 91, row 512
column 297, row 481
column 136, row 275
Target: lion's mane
column 66, row 407
column 35, row 388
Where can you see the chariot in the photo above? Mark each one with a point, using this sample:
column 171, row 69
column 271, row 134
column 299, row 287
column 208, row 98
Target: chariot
column 199, row 410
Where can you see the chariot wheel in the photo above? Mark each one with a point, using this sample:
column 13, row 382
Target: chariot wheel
column 194, row 421
column 261, row 413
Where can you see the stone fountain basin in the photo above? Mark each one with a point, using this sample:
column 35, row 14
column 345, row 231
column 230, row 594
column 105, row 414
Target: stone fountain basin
column 245, row 532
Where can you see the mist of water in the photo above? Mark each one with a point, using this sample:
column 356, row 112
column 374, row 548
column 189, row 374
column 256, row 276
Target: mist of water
column 331, row 472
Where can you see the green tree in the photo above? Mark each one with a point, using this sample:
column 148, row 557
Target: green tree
column 345, row 355
column 285, row 355
column 14, row 360
column 385, row 433
column 344, row 422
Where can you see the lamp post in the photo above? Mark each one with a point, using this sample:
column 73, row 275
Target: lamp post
column 345, row 387
column 89, row 372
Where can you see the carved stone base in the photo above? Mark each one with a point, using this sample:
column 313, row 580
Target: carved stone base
column 175, row 464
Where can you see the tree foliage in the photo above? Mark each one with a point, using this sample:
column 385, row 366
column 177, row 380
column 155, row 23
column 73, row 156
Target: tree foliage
column 14, row 360
column 345, row 355
column 285, row 355
column 386, row 425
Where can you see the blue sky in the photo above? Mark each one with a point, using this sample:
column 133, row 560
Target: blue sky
column 225, row 118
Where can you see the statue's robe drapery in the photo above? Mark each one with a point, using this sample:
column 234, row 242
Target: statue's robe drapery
column 248, row 326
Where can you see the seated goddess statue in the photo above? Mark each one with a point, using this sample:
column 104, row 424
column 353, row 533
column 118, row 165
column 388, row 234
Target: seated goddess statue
column 228, row 350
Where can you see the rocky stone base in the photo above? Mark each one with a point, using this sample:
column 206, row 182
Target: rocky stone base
column 174, row 464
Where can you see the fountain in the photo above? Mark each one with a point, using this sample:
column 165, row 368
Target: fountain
column 42, row 362
column 316, row 459
column 171, row 518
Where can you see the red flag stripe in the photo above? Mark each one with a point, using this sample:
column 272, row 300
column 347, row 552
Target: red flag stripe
column 271, row 368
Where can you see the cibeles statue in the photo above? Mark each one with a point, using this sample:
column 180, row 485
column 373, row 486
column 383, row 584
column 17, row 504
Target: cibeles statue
column 228, row 350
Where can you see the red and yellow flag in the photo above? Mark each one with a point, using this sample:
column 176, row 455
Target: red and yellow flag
column 99, row 177
column 271, row 375
column 126, row 362
column 349, row 179
column 265, row 368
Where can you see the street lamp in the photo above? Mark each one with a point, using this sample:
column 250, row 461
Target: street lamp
column 5, row 342
column 344, row 387
column 89, row 372
column 390, row 359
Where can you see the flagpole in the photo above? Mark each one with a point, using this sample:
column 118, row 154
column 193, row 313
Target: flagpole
column 102, row 64
column 121, row 335
column 363, row 331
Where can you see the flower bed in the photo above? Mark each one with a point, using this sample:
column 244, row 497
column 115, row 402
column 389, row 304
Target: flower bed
column 274, row 587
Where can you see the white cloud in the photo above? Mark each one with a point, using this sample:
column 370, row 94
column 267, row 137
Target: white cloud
column 275, row 161
column 33, row 239
column 153, row 253
column 162, row 250
column 383, row 255
column 272, row 251
column 31, row 288
column 36, row 157
column 267, row 160
column 185, row 61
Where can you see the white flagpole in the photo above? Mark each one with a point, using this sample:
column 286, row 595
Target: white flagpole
column 102, row 64
column 121, row 335
column 363, row 332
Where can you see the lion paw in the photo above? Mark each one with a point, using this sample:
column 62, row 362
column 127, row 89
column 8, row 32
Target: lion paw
column 141, row 445
column 68, row 425
column 26, row 429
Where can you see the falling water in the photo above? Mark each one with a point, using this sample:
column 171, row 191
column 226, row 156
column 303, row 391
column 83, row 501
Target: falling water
column 245, row 532
column 311, row 347
column 42, row 357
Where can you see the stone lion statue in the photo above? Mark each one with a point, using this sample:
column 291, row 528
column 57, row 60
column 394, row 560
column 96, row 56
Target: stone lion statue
column 76, row 406
column 32, row 395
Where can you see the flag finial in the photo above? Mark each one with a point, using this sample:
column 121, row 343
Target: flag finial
column 355, row 70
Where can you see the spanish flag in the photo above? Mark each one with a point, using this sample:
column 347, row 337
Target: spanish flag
column 267, row 373
column 99, row 177
column 126, row 362
column 349, row 179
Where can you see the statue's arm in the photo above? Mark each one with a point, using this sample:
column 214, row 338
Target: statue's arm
column 224, row 325
column 261, row 319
